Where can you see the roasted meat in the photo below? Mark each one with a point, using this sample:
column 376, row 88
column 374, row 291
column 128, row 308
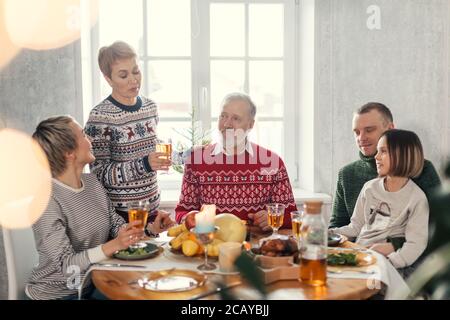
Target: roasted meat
column 279, row 247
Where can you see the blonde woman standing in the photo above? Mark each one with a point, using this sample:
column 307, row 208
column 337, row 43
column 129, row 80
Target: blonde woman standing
column 123, row 133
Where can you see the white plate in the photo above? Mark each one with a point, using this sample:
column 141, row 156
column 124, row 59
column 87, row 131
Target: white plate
column 173, row 280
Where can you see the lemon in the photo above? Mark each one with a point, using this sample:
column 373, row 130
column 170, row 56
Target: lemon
column 189, row 248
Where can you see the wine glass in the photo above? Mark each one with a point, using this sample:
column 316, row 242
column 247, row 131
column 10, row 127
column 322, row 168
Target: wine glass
column 296, row 220
column 275, row 216
column 165, row 146
column 138, row 211
column 206, row 238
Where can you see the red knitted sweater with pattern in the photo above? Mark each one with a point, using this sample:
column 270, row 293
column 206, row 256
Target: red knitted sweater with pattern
column 238, row 184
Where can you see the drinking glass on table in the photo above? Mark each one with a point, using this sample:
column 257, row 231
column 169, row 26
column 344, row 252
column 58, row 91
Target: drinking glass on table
column 165, row 146
column 275, row 216
column 138, row 211
column 296, row 219
column 206, row 238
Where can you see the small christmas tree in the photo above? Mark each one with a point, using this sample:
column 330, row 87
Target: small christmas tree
column 196, row 137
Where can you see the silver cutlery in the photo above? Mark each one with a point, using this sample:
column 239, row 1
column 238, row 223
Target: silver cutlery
column 354, row 271
column 118, row 265
column 215, row 291
column 350, row 249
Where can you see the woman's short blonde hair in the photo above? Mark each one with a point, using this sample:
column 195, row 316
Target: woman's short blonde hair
column 108, row 55
column 405, row 152
column 56, row 138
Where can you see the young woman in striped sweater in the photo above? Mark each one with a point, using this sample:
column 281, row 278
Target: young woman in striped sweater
column 79, row 226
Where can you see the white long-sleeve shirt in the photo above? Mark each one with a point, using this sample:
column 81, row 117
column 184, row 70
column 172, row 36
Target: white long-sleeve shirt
column 380, row 214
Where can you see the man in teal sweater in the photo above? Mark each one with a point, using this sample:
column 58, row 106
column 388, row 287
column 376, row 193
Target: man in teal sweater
column 369, row 123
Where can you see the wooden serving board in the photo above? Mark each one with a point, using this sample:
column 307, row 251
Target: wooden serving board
column 273, row 262
column 281, row 273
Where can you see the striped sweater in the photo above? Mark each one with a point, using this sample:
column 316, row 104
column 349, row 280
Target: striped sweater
column 69, row 236
column 122, row 137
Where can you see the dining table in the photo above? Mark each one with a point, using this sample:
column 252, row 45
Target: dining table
column 118, row 279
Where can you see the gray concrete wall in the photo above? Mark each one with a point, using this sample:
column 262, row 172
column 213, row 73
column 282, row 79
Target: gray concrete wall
column 448, row 82
column 34, row 86
column 404, row 64
column 39, row 84
column 3, row 270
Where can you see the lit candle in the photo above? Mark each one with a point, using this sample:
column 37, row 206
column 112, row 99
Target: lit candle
column 204, row 220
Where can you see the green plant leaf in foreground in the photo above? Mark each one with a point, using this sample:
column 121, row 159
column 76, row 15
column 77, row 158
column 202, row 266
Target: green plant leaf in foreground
column 250, row 272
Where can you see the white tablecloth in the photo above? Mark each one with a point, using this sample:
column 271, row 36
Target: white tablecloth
column 383, row 271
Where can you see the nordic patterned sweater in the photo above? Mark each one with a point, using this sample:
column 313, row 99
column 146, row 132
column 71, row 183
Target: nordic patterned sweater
column 239, row 184
column 122, row 137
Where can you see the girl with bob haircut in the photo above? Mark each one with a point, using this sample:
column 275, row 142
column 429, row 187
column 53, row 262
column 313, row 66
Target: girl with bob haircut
column 79, row 227
column 392, row 205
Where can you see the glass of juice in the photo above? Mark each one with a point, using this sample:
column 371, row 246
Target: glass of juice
column 138, row 211
column 275, row 216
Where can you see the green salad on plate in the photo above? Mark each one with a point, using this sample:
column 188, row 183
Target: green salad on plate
column 342, row 259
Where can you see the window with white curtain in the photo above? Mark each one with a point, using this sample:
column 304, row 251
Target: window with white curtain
column 194, row 52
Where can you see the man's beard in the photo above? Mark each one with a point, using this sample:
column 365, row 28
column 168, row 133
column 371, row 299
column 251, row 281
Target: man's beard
column 233, row 138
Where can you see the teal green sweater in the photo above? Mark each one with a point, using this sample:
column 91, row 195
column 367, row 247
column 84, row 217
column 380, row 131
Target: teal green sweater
column 352, row 178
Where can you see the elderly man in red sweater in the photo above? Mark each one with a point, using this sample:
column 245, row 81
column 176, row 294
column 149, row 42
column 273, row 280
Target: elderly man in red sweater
column 238, row 176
